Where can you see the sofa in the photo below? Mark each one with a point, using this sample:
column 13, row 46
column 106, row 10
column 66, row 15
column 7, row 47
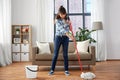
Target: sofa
column 45, row 59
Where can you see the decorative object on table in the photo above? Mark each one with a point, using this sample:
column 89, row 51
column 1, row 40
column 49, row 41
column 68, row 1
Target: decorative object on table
column 84, row 34
column 97, row 26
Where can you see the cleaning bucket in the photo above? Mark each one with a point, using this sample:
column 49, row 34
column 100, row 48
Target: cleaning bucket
column 31, row 71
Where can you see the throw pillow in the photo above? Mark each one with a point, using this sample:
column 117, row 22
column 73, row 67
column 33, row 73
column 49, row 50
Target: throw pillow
column 44, row 48
column 83, row 46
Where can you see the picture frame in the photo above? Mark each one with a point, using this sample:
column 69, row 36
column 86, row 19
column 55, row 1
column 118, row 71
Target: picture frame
column 17, row 40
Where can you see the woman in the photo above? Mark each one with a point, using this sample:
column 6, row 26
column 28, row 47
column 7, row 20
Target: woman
column 61, row 38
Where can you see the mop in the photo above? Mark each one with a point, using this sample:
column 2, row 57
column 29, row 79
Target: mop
column 87, row 75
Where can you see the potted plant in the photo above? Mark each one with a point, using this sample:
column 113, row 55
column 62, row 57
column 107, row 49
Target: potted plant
column 84, row 34
column 17, row 31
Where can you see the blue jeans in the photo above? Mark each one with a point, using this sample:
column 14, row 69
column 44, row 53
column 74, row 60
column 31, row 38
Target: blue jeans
column 64, row 41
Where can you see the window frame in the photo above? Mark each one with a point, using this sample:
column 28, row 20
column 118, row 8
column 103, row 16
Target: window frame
column 83, row 14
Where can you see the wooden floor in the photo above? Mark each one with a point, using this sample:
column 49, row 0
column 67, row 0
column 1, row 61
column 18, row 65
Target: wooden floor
column 109, row 70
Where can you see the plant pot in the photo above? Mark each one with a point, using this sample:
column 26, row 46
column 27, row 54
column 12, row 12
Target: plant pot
column 17, row 32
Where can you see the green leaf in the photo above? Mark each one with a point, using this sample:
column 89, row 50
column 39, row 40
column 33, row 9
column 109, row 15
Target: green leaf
column 84, row 34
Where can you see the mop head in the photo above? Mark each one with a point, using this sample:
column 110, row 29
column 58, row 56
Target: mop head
column 88, row 76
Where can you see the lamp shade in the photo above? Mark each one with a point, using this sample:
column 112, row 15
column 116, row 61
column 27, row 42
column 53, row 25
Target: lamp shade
column 97, row 26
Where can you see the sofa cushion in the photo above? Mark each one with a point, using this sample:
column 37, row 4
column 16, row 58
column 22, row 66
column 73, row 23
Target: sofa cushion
column 82, row 46
column 71, row 48
column 72, row 57
column 52, row 47
column 83, row 56
column 43, row 47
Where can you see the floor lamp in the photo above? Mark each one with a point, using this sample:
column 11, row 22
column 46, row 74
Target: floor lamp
column 97, row 26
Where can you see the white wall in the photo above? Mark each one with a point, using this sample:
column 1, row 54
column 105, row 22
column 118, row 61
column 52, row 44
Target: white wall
column 113, row 28
column 24, row 12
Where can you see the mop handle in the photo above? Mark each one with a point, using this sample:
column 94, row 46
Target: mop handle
column 78, row 56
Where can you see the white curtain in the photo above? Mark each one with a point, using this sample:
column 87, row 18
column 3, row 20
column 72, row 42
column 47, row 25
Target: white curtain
column 98, row 14
column 45, row 26
column 5, row 32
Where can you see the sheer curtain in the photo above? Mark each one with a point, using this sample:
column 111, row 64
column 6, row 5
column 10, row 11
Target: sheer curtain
column 45, row 26
column 98, row 14
column 5, row 32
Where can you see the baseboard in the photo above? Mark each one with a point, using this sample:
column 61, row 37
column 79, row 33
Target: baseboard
column 113, row 60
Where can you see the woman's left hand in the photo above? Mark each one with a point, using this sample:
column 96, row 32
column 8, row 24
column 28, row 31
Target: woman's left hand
column 70, row 36
column 68, row 22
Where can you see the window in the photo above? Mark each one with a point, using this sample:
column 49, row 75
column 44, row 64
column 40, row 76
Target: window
column 79, row 12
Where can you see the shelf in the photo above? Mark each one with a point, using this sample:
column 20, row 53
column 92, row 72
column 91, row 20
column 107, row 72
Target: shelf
column 21, row 34
column 24, row 34
column 15, row 52
column 16, row 43
column 16, row 34
column 21, row 42
column 25, row 43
